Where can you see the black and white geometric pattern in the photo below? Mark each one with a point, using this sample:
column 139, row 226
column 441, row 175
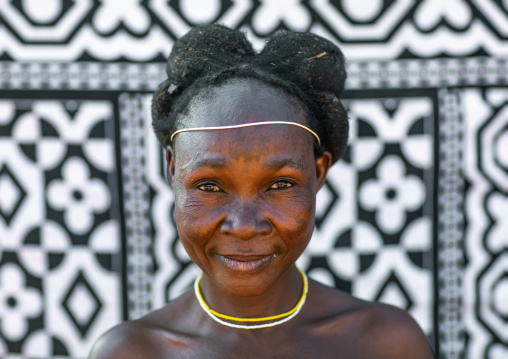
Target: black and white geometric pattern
column 415, row 214
column 59, row 227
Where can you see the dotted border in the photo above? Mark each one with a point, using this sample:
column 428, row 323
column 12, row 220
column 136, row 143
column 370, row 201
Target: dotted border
column 136, row 211
column 81, row 76
column 450, row 226
column 428, row 73
column 146, row 77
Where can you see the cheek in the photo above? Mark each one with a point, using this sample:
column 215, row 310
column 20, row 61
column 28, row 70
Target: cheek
column 199, row 218
column 196, row 218
column 295, row 217
column 191, row 226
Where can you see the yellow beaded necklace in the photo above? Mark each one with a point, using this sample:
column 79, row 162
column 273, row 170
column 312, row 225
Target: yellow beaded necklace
column 285, row 316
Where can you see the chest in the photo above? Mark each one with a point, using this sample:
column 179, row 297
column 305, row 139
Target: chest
column 287, row 345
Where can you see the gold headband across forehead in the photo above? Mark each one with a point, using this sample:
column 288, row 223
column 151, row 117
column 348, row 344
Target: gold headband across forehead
column 245, row 125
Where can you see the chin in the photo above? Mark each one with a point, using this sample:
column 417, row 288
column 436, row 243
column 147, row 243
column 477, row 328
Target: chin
column 244, row 285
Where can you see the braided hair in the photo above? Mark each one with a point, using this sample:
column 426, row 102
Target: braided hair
column 303, row 65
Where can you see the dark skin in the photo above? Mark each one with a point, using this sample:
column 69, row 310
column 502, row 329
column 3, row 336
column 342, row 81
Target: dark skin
column 244, row 205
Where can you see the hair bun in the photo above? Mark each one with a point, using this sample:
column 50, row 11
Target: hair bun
column 313, row 60
column 207, row 48
column 317, row 67
column 303, row 64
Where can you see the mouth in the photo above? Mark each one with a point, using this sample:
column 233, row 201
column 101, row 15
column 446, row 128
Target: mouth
column 245, row 263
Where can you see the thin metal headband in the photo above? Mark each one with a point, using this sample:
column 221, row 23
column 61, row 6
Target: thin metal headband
column 245, row 125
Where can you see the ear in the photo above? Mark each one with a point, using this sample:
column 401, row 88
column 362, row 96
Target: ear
column 170, row 165
column 323, row 164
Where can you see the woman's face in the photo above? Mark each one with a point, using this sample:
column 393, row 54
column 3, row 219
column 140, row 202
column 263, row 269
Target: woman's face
column 245, row 198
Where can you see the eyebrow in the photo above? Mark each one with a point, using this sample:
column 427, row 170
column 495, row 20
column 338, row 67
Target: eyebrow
column 208, row 162
column 285, row 162
column 218, row 163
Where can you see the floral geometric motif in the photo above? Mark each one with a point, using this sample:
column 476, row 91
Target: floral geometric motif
column 78, row 195
column 392, row 194
column 18, row 302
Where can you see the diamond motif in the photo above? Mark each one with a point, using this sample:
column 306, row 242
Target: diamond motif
column 12, row 194
column 393, row 292
column 82, row 304
column 326, row 199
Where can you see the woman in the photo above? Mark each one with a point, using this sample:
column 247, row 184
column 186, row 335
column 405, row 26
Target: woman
column 249, row 140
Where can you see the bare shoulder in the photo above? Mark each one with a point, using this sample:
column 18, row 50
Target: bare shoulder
column 152, row 336
column 370, row 330
column 126, row 340
column 395, row 332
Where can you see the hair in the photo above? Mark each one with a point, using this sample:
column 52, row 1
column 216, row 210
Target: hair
column 303, row 65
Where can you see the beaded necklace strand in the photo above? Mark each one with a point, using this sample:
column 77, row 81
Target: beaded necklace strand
column 285, row 316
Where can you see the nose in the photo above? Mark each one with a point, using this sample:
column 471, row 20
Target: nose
column 246, row 219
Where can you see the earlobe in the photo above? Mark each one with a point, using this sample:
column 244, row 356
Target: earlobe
column 323, row 164
column 170, row 165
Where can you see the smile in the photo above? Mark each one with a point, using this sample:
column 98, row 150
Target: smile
column 245, row 264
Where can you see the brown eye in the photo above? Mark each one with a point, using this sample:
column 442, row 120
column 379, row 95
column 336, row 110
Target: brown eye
column 208, row 187
column 281, row 185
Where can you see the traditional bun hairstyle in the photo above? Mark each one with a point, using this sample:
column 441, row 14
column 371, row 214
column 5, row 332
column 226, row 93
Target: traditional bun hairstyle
column 303, row 65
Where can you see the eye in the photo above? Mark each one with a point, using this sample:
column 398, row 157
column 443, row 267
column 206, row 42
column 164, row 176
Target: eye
column 281, row 185
column 209, row 187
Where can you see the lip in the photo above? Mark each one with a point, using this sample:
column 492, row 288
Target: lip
column 245, row 263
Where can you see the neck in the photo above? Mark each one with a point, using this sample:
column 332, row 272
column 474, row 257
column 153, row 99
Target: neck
column 281, row 297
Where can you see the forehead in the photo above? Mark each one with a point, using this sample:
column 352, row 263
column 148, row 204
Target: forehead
column 238, row 102
column 259, row 146
column 241, row 101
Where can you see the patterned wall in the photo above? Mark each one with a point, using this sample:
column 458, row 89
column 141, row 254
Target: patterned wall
column 416, row 214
